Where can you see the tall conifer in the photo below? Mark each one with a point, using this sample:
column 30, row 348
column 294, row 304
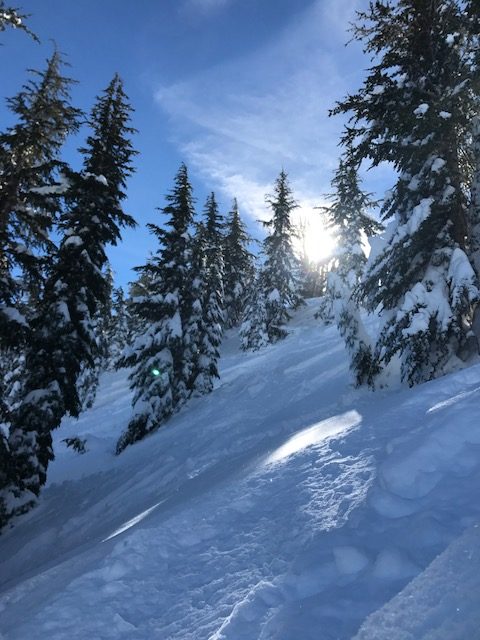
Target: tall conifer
column 212, row 298
column 254, row 328
column 160, row 378
column 239, row 269
column 278, row 285
column 351, row 223
column 63, row 338
column 29, row 173
column 119, row 330
column 415, row 110
column 30, row 181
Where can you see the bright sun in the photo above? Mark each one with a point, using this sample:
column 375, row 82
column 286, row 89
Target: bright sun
column 314, row 241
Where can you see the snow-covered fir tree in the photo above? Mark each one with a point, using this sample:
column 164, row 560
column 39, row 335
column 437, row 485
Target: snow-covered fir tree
column 415, row 110
column 108, row 154
column 280, row 273
column 161, row 377
column 279, row 279
column 29, row 169
column 194, row 326
column 239, row 268
column 87, row 381
column 351, row 223
column 29, row 174
column 254, row 328
column 349, row 219
column 12, row 366
column 105, row 319
column 474, row 213
column 209, row 331
column 12, row 17
column 119, row 330
column 63, row 336
column 140, row 287
column 87, row 384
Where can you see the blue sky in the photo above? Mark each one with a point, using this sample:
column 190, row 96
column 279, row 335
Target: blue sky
column 237, row 89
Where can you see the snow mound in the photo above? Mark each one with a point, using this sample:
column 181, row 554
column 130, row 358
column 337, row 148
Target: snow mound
column 442, row 603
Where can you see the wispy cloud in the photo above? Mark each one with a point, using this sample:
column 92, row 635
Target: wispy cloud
column 206, row 5
column 239, row 123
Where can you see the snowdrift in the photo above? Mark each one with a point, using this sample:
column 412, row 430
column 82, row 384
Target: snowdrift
column 284, row 505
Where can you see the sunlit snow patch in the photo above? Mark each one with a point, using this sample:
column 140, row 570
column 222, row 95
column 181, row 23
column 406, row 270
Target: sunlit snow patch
column 315, row 434
column 132, row 522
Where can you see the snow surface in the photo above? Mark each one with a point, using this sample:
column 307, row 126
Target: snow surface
column 441, row 604
column 283, row 506
column 438, row 164
column 422, row 109
column 75, row 241
column 13, row 315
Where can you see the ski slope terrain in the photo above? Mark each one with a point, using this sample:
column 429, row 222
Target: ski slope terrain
column 285, row 505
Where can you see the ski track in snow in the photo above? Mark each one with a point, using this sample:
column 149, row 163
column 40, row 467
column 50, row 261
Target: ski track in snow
column 285, row 505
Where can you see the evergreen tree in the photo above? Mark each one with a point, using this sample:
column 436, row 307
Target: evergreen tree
column 280, row 282
column 29, row 168
column 11, row 17
column 209, row 335
column 139, row 288
column 277, row 286
column 161, row 377
column 474, row 216
column 348, row 217
column 103, row 321
column 474, row 213
column 414, row 110
column 12, row 371
column 238, row 270
column 7, row 475
column 63, row 339
column 195, row 329
column 12, row 365
column 87, row 382
column 254, row 328
column 119, row 332
column 29, row 173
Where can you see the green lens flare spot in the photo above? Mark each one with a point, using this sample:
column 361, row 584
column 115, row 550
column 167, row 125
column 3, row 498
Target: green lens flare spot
column 155, row 372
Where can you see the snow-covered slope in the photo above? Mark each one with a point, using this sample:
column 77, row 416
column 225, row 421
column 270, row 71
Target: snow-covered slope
column 285, row 505
column 442, row 602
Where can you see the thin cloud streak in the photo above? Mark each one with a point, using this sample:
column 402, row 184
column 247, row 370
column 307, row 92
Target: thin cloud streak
column 239, row 123
column 206, row 6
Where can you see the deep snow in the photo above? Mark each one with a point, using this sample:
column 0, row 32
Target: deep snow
column 285, row 505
